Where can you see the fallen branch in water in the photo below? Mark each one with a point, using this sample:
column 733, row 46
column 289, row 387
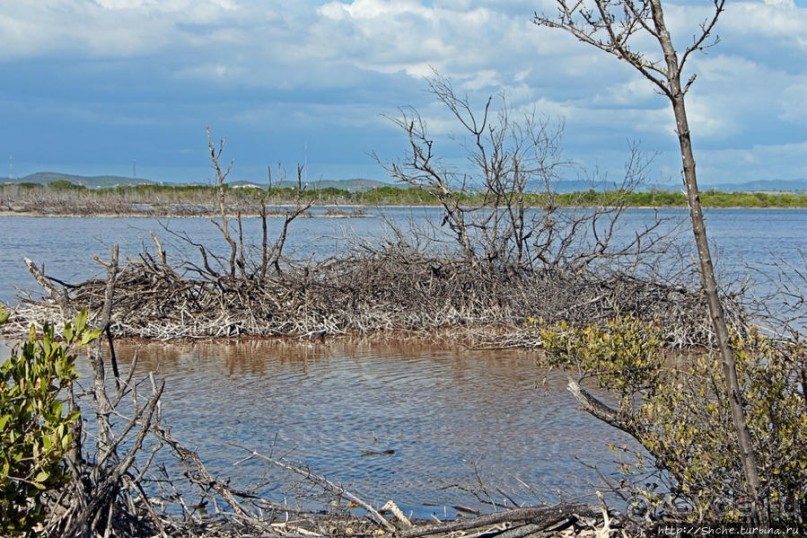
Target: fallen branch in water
column 539, row 518
column 516, row 522
column 328, row 486
column 593, row 406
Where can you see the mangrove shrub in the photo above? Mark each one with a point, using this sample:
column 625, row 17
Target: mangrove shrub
column 36, row 431
column 680, row 414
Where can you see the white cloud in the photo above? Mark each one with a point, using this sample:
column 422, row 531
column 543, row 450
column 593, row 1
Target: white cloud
column 159, row 5
column 216, row 71
column 105, row 28
column 373, row 9
column 76, row 30
column 735, row 97
column 792, row 107
column 633, row 92
column 776, row 20
column 759, row 161
column 344, row 58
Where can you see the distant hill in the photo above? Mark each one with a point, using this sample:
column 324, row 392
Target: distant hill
column 94, row 182
column 770, row 185
column 362, row 185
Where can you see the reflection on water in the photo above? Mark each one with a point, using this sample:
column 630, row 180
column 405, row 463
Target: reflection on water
column 456, row 420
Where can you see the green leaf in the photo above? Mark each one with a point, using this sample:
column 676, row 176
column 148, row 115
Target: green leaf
column 89, row 336
column 81, row 321
column 67, row 332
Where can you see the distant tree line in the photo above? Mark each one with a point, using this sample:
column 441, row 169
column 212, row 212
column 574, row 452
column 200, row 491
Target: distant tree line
column 62, row 196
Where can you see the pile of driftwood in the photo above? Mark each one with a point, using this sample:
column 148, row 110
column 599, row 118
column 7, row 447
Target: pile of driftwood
column 508, row 267
column 392, row 289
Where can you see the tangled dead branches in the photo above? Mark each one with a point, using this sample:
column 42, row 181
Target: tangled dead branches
column 394, row 289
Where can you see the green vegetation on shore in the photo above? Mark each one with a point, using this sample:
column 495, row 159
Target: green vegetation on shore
column 66, row 197
column 713, row 198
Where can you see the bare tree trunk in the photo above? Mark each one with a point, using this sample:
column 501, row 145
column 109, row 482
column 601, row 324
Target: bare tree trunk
column 609, row 26
column 707, row 272
column 104, row 407
column 221, row 176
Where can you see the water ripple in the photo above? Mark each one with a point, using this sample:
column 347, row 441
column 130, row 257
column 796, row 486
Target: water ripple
column 424, row 427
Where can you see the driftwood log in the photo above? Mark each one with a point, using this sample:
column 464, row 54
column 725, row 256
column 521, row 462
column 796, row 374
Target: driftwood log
column 531, row 520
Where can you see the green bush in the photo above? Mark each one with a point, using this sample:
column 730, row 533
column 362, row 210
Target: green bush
column 35, row 429
column 625, row 354
column 65, row 185
column 680, row 414
column 392, row 195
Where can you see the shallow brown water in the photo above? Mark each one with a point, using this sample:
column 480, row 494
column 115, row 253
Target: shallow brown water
column 458, row 421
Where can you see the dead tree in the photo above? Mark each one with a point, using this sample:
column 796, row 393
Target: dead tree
column 507, row 156
column 618, row 27
column 221, row 176
column 270, row 254
column 501, row 210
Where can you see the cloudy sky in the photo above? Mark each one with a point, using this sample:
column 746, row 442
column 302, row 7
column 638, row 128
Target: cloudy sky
column 96, row 87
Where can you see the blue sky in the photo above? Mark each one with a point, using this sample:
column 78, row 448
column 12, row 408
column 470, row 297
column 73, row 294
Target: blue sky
column 92, row 87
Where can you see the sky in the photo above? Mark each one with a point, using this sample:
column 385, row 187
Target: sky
column 128, row 87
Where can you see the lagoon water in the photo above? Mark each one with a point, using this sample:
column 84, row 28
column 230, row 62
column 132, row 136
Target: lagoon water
column 746, row 242
column 458, row 421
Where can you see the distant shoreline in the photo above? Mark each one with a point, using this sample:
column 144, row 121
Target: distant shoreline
column 350, row 214
column 356, row 184
column 137, row 214
column 67, row 199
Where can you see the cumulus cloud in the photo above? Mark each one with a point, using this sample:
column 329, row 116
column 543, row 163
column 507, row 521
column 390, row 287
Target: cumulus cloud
column 347, row 61
column 754, row 162
column 106, row 28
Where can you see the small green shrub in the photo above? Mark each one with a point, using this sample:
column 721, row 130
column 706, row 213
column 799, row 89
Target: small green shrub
column 35, row 429
column 681, row 415
column 625, row 355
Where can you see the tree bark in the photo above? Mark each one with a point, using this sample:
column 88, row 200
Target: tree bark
column 707, row 272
